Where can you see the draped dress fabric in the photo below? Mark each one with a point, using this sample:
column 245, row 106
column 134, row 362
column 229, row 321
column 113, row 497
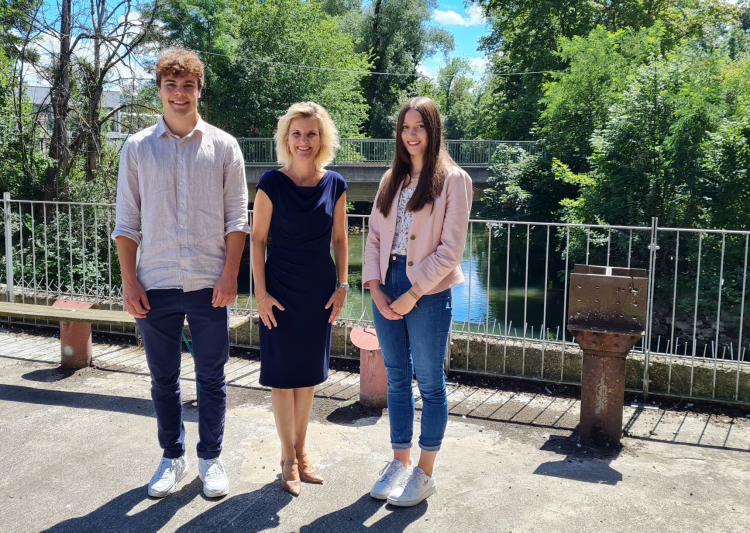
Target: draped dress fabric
column 301, row 275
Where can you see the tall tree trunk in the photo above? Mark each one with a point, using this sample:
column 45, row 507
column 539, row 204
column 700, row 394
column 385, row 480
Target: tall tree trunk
column 58, row 149
column 378, row 64
column 94, row 137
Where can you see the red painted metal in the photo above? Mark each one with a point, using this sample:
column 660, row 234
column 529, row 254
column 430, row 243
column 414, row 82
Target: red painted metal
column 75, row 337
column 373, row 378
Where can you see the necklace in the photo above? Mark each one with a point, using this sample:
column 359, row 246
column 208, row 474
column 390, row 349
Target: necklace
column 300, row 179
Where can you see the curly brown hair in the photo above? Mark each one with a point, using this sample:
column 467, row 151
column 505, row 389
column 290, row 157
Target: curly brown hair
column 179, row 62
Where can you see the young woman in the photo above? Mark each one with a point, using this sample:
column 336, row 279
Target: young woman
column 302, row 207
column 417, row 235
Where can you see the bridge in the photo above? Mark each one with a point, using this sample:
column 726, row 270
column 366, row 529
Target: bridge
column 365, row 160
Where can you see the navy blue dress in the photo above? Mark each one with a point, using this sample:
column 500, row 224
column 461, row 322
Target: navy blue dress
column 301, row 275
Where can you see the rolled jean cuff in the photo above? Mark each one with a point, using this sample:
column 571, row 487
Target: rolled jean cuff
column 401, row 445
column 429, row 448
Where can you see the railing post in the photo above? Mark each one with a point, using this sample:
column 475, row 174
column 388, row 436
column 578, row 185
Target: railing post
column 653, row 247
column 8, row 248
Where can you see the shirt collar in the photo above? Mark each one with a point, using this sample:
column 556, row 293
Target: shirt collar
column 162, row 128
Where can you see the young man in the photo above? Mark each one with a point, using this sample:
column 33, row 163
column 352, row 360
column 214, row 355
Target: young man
column 182, row 196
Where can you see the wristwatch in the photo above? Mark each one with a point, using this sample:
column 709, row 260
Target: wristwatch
column 344, row 286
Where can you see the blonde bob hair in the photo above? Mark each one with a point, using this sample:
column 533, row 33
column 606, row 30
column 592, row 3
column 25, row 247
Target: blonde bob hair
column 329, row 135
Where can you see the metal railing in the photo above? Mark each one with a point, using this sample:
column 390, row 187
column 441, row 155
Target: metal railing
column 509, row 317
column 467, row 153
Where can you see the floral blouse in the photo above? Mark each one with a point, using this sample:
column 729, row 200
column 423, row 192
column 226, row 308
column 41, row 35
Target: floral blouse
column 403, row 223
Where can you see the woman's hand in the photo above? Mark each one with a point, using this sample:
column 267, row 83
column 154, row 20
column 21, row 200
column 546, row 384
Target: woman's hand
column 383, row 303
column 265, row 310
column 336, row 302
column 403, row 304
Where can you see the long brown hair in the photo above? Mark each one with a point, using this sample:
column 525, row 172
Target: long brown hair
column 436, row 160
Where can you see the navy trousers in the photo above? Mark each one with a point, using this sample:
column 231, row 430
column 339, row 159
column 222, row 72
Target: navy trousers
column 161, row 331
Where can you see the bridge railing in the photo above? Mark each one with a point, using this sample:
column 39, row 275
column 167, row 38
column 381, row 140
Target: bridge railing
column 509, row 318
column 380, row 152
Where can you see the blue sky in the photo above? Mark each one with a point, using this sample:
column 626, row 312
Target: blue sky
column 467, row 26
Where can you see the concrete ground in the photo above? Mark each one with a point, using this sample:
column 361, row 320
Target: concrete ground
column 78, row 449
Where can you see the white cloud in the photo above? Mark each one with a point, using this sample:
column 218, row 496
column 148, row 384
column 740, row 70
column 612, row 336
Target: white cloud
column 478, row 65
column 472, row 16
column 430, row 72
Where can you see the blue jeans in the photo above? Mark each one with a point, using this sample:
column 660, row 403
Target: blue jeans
column 161, row 331
column 416, row 343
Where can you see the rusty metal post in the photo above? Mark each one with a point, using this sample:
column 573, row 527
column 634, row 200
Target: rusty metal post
column 75, row 337
column 373, row 378
column 606, row 315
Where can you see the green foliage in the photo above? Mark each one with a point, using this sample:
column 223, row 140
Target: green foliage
column 247, row 91
column 525, row 187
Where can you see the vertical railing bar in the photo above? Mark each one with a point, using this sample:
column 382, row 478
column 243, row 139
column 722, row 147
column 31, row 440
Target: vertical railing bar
column 96, row 250
column 46, row 250
column 565, row 302
column 57, row 238
column 674, row 310
column 362, row 262
column 346, row 294
column 609, row 243
column 250, row 298
column 507, row 279
column 742, row 317
column 33, row 252
column 544, row 303
column 525, row 301
column 487, row 302
column 650, row 304
column 718, row 307
column 588, row 242
column 70, row 245
column 695, row 312
column 9, row 275
column 110, row 289
column 20, row 244
column 630, row 247
column 471, row 275
column 83, row 246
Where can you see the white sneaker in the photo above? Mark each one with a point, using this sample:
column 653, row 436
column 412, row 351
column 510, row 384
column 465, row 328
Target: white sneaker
column 214, row 477
column 416, row 488
column 391, row 475
column 169, row 473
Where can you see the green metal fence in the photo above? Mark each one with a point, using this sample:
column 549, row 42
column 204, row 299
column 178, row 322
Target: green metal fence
column 467, row 153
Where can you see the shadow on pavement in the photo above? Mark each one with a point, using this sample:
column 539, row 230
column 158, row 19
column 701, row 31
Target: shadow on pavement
column 587, row 464
column 86, row 400
column 354, row 516
column 117, row 515
column 249, row 512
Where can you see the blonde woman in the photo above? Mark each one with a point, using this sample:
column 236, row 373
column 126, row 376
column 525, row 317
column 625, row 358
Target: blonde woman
column 299, row 289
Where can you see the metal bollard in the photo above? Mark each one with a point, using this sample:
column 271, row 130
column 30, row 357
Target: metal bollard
column 606, row 315
column 373, row 379
column 75, row 337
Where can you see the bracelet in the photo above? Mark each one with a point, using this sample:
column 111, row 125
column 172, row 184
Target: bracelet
column 263, row 300
column 413, row 294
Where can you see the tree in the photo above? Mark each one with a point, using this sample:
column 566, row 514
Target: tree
column 398, row 35
column 262, row 56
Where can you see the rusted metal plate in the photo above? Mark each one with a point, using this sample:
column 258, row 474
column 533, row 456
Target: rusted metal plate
column 607, row 301
column 611, row 342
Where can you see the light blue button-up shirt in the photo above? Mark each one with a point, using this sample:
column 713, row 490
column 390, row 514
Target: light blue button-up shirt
column 179, row 198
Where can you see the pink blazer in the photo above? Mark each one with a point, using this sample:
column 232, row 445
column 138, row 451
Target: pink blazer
column 436, row 239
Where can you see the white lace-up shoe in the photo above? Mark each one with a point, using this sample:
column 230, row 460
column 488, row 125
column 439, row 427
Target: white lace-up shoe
column 416, row 488
column 214, row 477
column 169, row 473
column 391, row 475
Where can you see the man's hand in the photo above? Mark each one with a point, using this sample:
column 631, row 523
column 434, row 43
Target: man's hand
column 225, row 291
column 135, row 299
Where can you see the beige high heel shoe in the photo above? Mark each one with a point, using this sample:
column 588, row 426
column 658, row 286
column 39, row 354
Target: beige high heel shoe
column 310, row 476
column 292, row 487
